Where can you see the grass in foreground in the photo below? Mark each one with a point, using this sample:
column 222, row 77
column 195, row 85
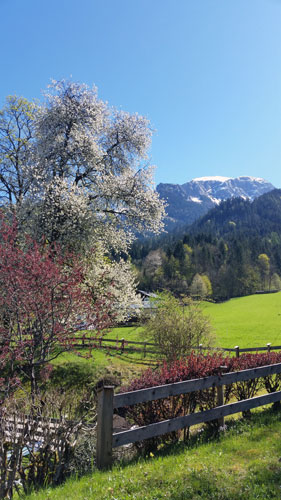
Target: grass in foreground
column 241, row 464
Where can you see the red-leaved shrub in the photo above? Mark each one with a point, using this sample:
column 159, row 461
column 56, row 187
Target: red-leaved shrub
column 250, row 388
column 193, row 367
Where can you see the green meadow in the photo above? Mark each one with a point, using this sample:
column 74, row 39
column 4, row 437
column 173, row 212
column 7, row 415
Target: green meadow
column 251, row 321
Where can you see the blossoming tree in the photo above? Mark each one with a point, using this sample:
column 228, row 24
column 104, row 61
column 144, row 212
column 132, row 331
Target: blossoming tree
column 85, row 173
column 88, row 177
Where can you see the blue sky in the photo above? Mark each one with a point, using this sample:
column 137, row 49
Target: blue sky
column 207, row 73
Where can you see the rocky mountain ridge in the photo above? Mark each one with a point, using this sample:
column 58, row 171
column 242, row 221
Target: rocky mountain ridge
column 189, row 201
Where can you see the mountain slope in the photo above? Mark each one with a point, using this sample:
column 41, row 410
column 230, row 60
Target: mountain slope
column 261, row 217
column 189, row 201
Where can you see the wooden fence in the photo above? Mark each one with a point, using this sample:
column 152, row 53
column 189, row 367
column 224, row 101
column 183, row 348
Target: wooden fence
column 120, row 345
column 39, row 432
column 123, row 345
column 14, row 428
column 108, row 401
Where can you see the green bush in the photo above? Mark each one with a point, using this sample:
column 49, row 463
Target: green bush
column 177, row 327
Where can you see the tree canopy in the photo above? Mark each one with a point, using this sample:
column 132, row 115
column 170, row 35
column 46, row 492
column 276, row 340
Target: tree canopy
column 76, row 170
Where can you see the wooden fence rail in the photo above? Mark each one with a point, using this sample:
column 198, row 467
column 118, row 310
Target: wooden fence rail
column 121, row 344
column 178, row 423
column 107, row 401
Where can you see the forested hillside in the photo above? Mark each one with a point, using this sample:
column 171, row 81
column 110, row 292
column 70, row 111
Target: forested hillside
column 260, row 217
column 232, row 251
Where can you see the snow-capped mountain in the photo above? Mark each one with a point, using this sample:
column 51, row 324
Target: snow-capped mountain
column 189, row 201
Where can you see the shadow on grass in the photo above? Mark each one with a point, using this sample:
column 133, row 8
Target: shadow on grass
column 135, row 361
column 260, row 480
column 208, row 434
column 73, row 375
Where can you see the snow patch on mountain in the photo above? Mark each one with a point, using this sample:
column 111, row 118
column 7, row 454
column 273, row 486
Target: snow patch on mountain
column 210, row 178
column 196, row 200
column 215, row 200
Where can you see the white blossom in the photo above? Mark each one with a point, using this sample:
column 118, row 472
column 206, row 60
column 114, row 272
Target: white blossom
column 88, row 166
column 117, row 279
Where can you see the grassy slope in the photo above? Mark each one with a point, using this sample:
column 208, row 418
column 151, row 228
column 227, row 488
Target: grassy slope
column 247, row 321
column 122, row 367
column 243, row 464
column 251, row 321
column 118, row 367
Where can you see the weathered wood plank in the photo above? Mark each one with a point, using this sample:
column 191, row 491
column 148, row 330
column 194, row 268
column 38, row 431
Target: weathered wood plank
column 226, row 349
column 178, row 423
column 105, row 427
column 243, row 375
column 220, row 402
column 256, row 349
column 164, row 391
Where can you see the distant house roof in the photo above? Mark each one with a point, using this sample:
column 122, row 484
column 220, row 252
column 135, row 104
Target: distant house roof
column 147, row 294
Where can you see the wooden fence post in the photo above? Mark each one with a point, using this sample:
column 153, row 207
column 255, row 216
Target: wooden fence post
column 220, row 397
column 122, row 345
column 268, row 347
column 220, row 402
column 144, row 349
column 237, row 353
column 104, row 427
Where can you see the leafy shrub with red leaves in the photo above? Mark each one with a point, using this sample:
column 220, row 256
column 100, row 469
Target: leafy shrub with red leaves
column 272, row 383
column 193, row 367
column 42, row 301
column 250, row 388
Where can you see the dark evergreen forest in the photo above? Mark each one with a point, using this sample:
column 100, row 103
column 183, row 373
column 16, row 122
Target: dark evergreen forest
column 232, row 251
